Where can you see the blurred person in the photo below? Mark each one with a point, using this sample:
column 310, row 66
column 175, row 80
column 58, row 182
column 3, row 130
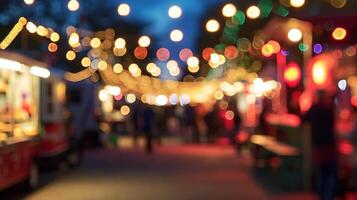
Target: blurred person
column 148, row 122
column 324, row 150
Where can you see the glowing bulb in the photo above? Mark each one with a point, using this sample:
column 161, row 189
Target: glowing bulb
column 95, row 43
column 174, row 12
column 144, row 41
column 176, row 35
column 125, row 110
column 54, row 37
column 70, row 55
column 118, row 68
column 120, row 43
column 297, row 3
column 73, row 5
column 192, row 61
column 212, row 25
column 253, row 12
column 123, row 9
column 102, row 65
column 339, row 33
column 130, row 98
column 31, row 27
column 85, row 62
column 229, row 10
column 294, row 35
column 29, row 2
column 73, row 39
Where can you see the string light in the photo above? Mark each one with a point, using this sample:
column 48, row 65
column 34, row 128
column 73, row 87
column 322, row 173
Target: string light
column 212, row 25
column 73, row 5
column 123, row 9
column 174, row 12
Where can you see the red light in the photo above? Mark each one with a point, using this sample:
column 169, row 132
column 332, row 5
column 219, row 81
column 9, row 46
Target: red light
column 292, row 74
column 185, row 54
column 206, row 53
column 231, row 52
column 140, row 53
column 354, row 101
column 163, row 54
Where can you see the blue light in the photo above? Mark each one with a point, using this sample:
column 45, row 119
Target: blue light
column 317, row 48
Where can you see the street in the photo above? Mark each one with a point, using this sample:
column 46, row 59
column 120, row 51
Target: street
column 173, row 172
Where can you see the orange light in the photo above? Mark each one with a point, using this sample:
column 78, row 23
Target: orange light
column 292, row 74
column 339, row 33
column 319, row 73
column 52, row 47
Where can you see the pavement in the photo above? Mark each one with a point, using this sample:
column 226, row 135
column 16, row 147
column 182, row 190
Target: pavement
column 182, row 172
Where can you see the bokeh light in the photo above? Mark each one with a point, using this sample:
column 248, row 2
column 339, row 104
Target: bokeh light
column 229, row 10
column 95, row 42
column 123, row 9
column 185, row 54
column 52, row 47
column 339, row 33
column 317, row 48
column 140, row 53
column 176, row 35
column 297, row 3
column 54, row 37
column 70, row 55
column 212, row 25
column 174, row 12
column 163, row 54
column 267, row 50
column 253, row 12
column 118, row 68
column 73, row 5
column 294, row 35
column 144, row 41
column 29, row 2
column 85, row 62
column 125, row 110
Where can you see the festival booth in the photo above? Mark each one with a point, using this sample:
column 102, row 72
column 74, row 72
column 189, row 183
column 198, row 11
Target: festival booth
column 19, row 118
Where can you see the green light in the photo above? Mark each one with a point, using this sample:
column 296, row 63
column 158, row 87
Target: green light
column 303, row 47
column 220, row 48
column 239, row 18
column 265, row 7
column 280, row 10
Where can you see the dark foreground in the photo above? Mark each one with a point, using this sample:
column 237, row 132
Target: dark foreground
column 189, row 172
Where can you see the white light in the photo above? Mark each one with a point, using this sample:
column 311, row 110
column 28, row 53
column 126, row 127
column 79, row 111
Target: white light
column 73, row 5
column 144, row 41
column 40, row 71
column 29, row 2
column 173, row 99
column 123, row 9
column 174, row 12
column 103, row 95
column 229, row 10
column 113, row 90
column 161, row 100
column 342, row 84
column 176, row 35
column 212, row 25
column 184, row 99
column 297, row 3
column 10, row 64
column 294, row 35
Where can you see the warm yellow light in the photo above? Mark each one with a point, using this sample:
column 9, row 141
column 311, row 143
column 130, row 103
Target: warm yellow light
column 294, row 35
column 339, row 33
column 70, row 55
column 144, row 41
column 120, row 43
column 253, row 12
column 267, row 50
column 175, row 71
column 150, row 67
column 319, row 73
column 214, row 60
column 29, row 2
column 156, row 71
column 192, row 61
column 297, row 3
column 54, row 37
column 31, row 27
column 176, row 35
column 73, row 5
column 174, row 12
column 85, row 62
column 193, row 69
column 123, row 9
column 95, row 42
column 338, row 3
column 212, row 25
column 134, row 70
column 73, row 39
column 130, row 98
column 171, row 64
column 102, row 65
column 118, row 68
column 125, row 110
column 218, row 95
column 229, row 10
column 103, row 95
column 161, row 100
column 42, row 31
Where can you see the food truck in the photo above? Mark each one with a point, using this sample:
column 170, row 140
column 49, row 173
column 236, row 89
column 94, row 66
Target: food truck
column 34, row 124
